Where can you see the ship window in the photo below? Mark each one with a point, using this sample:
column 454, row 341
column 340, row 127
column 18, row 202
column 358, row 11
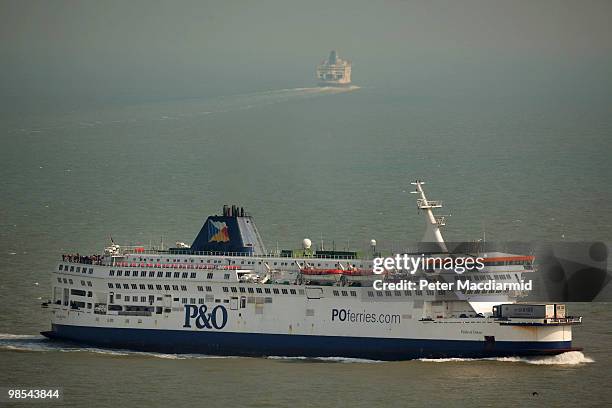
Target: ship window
column 82, row 283
column 285, row 292
column 398, row 293
column 209, row 289
column 158, row 287
column 118, row 285
column 225, row 289
column 111, row 273
column 234, row 289
column 200, row 300
column 192, row 300
column 90, row 270
column 168, row 274
column 134, row 298
column 151, row 274
column 88, row 283
column 292, row 291
column 267, row 290
column 134, row 286
column 142, row 286
column 127, row 273
column 72, row 269
column 192, row 275
column 61, row 267
column 276, row 291
column 184, row 275
column 200, row 289
column 150, row 287
column 65, row 281
column 268, row 300
column 177, row 274
column 78, row 269
column 174, row 287
column 59, row 280
column 118, row 295
column 378, row 293
column 258, row 290
column 70, row 281
column 143, row 274
column 250, row 290
column 353, row 293
column 209, row 275
column 126, row 286
column 344, row 293
column 242, row 290
column 184, row 301
column 119, row 273
column 110, row 285
column 336, row 293
column 226, row 276
column 407, row 293
column 301, row 291
column 167, row 287
column 183, row 287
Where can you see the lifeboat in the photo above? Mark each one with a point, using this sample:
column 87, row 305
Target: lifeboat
column 321, row 275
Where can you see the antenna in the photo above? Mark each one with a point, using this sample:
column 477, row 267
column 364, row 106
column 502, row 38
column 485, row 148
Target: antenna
column 432, row 232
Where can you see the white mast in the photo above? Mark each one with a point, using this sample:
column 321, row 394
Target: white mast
column 432, row 232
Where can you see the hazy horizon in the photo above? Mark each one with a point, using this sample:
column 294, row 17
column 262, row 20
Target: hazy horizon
column 65, row 54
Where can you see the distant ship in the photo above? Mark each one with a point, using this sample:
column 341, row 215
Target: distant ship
column 334, row 71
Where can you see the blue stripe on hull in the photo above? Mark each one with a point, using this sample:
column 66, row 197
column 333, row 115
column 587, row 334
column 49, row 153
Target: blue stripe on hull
column 254, row 344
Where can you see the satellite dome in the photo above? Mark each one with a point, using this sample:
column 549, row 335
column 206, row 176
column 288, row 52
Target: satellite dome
column 373, row 242
column 306, row 243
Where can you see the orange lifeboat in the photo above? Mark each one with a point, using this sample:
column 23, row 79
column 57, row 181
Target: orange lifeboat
column 322, row 275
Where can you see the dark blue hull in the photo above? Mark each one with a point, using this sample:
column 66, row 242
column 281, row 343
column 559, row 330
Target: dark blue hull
column 253, row 344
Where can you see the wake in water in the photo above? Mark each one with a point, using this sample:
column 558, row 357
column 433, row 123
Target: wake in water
column 177, row 110
column 325, row 359
column 569, row 358
column 35, row 343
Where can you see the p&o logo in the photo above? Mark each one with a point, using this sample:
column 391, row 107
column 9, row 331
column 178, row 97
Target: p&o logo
column 215, row 319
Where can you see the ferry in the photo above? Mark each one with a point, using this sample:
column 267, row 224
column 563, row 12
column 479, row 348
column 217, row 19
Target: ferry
column 334, row 71
column 225, row 294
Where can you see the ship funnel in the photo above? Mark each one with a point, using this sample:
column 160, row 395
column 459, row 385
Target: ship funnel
column 232, row 232
column 333, row 57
